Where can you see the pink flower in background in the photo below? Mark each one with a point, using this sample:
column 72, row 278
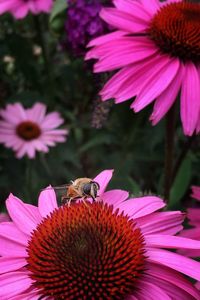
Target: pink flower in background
column 113, row 248
column 20, row 8
column 156, row 50
column 193, row 215
column 29, row 130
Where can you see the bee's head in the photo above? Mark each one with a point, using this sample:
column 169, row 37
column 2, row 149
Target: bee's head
column 91, row 189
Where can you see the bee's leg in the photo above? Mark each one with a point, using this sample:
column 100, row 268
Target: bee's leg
column 84, row 201
column 93, row 199
column 69, row 201
column 64, row 200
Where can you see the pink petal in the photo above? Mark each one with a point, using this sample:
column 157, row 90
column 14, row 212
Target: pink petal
column 47, row 201
column 150, row 291
column 156, row 84
column 193, row 214
column 4, row 217
column 172, row 277
column 114, row 197
column 166, row 99
column 25, row 216
column 175, row 261
column 8, row 264
column 51, row 121
column 190, row 95
column 167, row 241
column 123, row 20
column 31, row 294
column 162, row 223
column 134, row 8
column 37, row 112
column 7, row 5
column 152, row 6
column 44, row 6
column 13, row 242
column 136, row 81
column 103, row 179
column 138, row 207
column 106, row 38
column 118, row 55
column 20, row 12
column 14, row 113
column 14, row 283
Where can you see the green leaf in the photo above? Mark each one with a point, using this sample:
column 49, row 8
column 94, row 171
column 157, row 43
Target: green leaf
column 58, row 8
column 181, row 183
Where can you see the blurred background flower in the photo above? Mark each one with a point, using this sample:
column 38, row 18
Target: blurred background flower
column 29, row 130
column 20, row 8
column 83, row 23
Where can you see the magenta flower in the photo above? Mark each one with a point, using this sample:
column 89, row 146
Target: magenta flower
column 193, row 215
column 113, row 248
column 29, row 130
column 156, row 48
column 20, row 8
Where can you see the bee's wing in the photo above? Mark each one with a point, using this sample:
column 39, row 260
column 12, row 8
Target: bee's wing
column 59, row 187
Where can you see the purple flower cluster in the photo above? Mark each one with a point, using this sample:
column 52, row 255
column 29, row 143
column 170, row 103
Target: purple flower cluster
column 83, row 23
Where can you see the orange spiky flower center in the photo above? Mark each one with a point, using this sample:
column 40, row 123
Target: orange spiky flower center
column 175, row 29
column 28, row 130
column 86, row 252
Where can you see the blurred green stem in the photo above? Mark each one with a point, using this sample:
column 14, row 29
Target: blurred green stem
column 41, row 38
column 39, row 27
column 28, row 179
column 183, row 154
column 169, row 151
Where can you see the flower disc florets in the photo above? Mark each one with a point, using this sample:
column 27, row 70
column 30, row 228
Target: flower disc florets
column 86, row 252
column 176, row 30
column 28, row 130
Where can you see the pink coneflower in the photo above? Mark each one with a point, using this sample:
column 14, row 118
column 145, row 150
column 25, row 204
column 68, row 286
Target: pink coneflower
column 113, row 248
column 193, row 215
column 29, row 130
column 20, row 8
column 157, row 49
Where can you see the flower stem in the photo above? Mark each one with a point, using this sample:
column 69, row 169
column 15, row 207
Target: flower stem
column 169, row 151
column 182, row 156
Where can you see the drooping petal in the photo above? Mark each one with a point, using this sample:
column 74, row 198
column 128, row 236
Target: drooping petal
column 156, row 84
column 166, row 99
column 167, row 241
column 175, row 261
column 150, row 291
column 172, row 276
column 162, row 223
column 190, row 95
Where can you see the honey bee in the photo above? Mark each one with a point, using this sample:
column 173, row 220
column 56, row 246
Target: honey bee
column 79, row 188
